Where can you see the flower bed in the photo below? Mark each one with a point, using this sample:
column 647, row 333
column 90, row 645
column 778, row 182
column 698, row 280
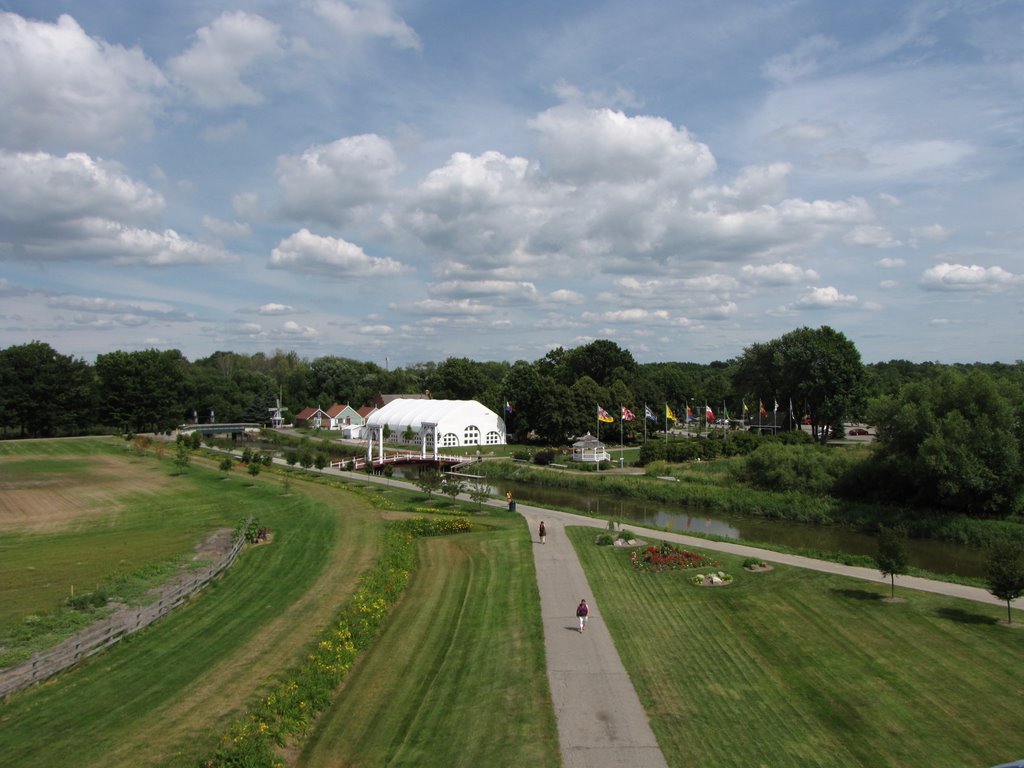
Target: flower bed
column 667, row 557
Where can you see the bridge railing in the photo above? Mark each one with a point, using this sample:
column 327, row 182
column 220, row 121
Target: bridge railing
column 402, row 457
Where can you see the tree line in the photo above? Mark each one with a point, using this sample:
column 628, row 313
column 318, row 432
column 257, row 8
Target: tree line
column 949, row 436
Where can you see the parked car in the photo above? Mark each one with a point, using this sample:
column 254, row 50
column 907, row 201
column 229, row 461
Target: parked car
column 857, row 431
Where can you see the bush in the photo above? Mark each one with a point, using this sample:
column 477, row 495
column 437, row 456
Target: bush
column 604, row 540
column 544, row 457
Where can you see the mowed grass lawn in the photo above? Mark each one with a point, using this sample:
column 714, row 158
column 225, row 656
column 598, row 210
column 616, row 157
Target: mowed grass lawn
column 167, row 694
column 458, row 676
column 794, row 668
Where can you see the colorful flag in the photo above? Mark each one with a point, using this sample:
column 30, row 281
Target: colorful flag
column 668, row 413
column 745, row 409
column 709, row 415
column 603, row 415
column 725, row 411
column 508, row 407
column 689, row 413
column 649, row 414
column 762, row 411
column 627, row 415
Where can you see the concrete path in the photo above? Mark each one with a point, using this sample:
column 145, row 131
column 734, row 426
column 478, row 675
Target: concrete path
column 601, row 723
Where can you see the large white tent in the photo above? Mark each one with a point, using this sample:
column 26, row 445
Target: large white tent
column 438, row 423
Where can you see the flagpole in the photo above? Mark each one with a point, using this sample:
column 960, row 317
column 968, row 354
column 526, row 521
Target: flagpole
column 622, row 421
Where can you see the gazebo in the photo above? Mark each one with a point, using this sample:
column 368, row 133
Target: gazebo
column 589, row 448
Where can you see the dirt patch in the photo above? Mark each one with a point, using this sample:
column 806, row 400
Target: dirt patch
column 758, row 568
column 54, row 501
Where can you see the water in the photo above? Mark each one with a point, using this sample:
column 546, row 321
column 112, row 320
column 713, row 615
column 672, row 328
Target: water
column 935, row 556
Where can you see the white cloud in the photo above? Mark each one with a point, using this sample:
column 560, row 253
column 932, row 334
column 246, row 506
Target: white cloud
column 326, row 181
column 367, row 19
column 566, row 296
column 292, row 328
column 824, row 298
column 495, row 290
column 276, row 309
column 452, row 307
column 330, row 257
column 235, row 44
column 77, row 207
column 959, row 277
column 872, row 236
column 601, row 145
column 125, row 309
column 42, row 193
column 891, row 263
column 58, row 86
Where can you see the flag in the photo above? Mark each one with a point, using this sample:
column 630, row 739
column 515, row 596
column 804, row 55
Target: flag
column 689, row 413
column 745, row 409
column 709, row 415
column 762, row 411
column 776, row 409
column 649, row 414
column 603, row 415
column 508, row 407
column 627, row 415
column 792, row 416
column 668, row 413
column 725, row 411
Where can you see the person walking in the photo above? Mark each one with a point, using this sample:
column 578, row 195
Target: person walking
column 582, row 611
column 511, row 502
column 543, row 533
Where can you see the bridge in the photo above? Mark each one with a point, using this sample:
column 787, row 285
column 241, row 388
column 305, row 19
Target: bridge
column 445, row 461
column 239, row 428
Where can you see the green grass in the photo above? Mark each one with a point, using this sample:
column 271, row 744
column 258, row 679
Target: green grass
column 798, row 668
column 457, row 677
column 165, row 695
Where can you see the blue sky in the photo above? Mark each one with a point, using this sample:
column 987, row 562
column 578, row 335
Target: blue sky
column 416, row 180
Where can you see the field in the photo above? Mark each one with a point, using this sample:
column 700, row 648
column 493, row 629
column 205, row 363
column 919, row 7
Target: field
column 166, row 696
column 796, row 668
column 781, row 668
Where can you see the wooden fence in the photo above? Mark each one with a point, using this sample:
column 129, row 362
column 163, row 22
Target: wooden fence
column 110, row 630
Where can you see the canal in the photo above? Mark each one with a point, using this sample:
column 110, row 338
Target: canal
column 935, row 556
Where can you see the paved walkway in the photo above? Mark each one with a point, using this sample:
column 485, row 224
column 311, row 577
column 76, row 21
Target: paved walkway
column 601, row 723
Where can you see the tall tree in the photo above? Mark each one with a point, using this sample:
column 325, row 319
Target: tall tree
column 44, row 393
column 817, row 368
column 951, row 443
column 141, row 391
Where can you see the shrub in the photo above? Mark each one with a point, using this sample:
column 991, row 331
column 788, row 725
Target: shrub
column 544, row 457
column 604, row 540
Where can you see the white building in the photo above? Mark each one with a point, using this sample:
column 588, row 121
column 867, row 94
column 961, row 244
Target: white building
column 434, row 424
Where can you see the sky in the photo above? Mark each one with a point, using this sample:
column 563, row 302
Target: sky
column 404, row 181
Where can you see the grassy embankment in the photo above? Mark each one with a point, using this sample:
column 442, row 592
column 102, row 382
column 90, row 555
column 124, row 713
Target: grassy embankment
column 167, row 695
column 797, row 668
